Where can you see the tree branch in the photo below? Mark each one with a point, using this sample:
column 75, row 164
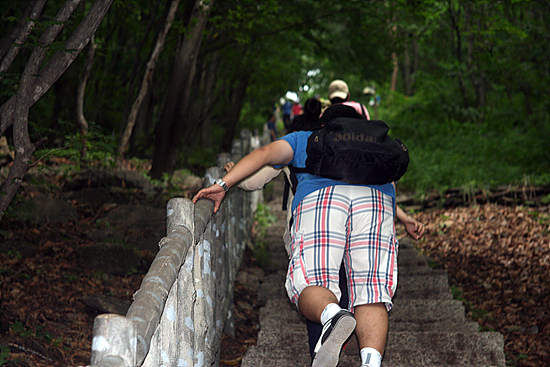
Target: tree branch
column 20, row 38
column 61, row 61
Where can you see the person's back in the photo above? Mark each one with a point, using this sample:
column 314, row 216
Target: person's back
column 333, row 223
column 332, row 220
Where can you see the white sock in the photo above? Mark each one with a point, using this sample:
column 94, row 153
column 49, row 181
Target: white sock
column 370, row 357
column 328, row 313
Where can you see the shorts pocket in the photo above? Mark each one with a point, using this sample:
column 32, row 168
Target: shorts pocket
column 295, row 245
column 295, row 280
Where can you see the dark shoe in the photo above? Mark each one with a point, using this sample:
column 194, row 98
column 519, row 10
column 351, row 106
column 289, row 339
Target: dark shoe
column 335, row 333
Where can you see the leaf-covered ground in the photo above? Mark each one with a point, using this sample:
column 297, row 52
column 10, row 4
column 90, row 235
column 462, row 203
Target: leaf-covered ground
column 498, row 260
column 43, row 322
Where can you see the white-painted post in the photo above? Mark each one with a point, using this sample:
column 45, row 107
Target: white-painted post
column 186, row 311
column 114, row 341
column 186, row 298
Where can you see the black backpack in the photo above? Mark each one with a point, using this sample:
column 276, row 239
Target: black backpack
column 355, row 151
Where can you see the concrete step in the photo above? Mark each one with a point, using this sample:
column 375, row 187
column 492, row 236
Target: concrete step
column 291, row 334
column 428, row 285
column 429, row 326
column 437, row 348
column 409, row 257
column 427, row 311
column 272, row 287
column 278, row 312
column 404, row 350
column 355, row 361
column 280, row 322
column 283, row 356
column 295, row 334
column 412, row 270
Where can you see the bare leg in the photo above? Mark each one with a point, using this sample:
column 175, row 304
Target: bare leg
column 336, row 329
column 313, row 301
column 372, row 326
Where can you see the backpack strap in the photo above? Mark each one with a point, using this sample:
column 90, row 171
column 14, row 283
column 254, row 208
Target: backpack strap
column 293, row 172
column 363, row 111
column 285, row 194
column 293, row 179
column 291, row 182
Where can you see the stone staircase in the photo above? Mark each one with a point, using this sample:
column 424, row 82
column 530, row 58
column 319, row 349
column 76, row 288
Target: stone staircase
column 427, row 326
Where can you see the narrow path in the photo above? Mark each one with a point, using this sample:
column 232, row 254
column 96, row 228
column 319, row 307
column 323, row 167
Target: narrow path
column 427, row 326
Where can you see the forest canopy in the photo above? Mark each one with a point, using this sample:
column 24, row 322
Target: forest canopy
column 464, row 83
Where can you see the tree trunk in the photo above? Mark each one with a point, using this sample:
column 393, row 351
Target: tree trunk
column 80, row 93
column 407, row 82
column 146, row 82
column 475, row 74
column 174, row 119
column 209, row 87
column 238, row 92
column 459, row 57
column 141, row 137
column 395, row 73
column 23, row 147
column 135, row 84
column 410, row 66
column 36, row 81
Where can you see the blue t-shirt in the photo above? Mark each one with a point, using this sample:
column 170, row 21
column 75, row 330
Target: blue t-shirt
column 308, row 183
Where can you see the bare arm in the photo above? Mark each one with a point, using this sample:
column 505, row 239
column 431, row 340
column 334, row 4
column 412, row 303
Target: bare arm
column 413, row 227
column 276, row 153
column 260, row 178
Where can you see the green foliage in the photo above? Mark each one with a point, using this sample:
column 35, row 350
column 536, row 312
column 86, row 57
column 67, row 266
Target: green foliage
column 474, row 313
column 22, row 209
column 263, row 219
column 471, row 101
column 4, row 354
column 19, row 328
column 457, row 293
column 102, row 223
column 456, row 148
column 70, row 278
column 198, row 157
column 100, row 147
column 240, row 17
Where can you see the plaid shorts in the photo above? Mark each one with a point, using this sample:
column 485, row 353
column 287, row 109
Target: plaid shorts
column 349, row 225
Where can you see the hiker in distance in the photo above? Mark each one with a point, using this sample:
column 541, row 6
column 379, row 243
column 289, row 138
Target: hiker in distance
column 333, row 222
column 338, row 93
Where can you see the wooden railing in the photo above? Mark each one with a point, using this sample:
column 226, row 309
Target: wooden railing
column 182, row 307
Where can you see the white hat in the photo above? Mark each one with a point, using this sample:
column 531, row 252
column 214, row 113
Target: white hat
column 338, row 88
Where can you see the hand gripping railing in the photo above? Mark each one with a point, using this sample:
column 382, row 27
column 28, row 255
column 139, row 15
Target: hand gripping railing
column 182, row 307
